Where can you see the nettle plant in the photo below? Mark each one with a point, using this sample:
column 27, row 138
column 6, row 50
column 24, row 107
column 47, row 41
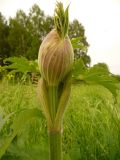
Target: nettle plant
column 58, row 72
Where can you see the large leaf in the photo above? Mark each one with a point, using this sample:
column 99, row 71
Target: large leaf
column 98, row 75
column 108, row 82
column 33, row 152
column 23, row 117
column 21, row 64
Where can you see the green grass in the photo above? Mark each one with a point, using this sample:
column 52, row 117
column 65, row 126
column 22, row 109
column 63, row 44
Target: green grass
column 91, row 124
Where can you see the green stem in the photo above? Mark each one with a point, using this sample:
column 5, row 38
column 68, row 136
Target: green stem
column 53, row 101
column 55, row 141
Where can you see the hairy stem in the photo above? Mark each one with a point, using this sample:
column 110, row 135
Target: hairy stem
column 55, row 142
column 54, row 133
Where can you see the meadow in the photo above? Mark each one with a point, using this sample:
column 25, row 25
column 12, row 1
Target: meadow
column 91, row 129
column 33, row 125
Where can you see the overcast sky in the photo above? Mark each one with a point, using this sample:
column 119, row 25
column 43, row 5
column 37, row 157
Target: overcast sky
column 101, row 19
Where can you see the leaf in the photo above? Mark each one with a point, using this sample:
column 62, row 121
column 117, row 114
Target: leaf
column 98, row 74
column 23, row 117
column 78, row 68
column 77, row 44
column 21, row 64
column 102, row 77
column 105, row 81
column 76, row 40
column 33, row 152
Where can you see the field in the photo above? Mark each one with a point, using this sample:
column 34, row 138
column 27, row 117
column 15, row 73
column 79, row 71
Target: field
column 91, row 129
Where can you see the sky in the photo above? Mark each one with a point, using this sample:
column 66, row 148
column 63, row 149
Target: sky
column 100, row 18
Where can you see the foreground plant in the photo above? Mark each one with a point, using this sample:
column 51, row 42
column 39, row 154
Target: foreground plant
column 55, row 62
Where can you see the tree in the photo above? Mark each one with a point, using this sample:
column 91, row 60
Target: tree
column 77, row 30
column 48, row 24
column 86, row 59
column 18, row 34
column 36, row 30
column 4, row 31
column 26, row 32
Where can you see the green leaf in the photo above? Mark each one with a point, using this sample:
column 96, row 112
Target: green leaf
column 102, row 77
column 21, row 64
column 33, row 152
column 77, row 44
column 78, row 68
column 23, row 117
column 98, row 74
column 108, row 82
column 76, row 40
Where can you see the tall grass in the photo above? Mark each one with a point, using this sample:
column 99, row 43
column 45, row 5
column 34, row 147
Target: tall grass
column 91, row 124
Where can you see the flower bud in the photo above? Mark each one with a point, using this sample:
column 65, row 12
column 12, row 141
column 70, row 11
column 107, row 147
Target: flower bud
column 55, row 57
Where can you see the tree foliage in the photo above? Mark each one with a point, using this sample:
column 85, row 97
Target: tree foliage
column 77, row 30
column 4, row 32
column 18, row 35
column 25, row 32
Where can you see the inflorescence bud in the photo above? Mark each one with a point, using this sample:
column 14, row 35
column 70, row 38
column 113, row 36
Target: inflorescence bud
column 56, row 53
column 55, row 57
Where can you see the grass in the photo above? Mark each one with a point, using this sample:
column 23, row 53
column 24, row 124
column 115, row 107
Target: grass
column 91, row 124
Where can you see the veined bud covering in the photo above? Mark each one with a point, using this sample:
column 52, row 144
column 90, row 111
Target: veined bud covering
column 56, row 53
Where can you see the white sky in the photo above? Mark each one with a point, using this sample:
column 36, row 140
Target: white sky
column 101, row 19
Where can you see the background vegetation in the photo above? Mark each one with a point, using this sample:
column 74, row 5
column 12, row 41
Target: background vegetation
column 91, row 124
column 23, row 34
